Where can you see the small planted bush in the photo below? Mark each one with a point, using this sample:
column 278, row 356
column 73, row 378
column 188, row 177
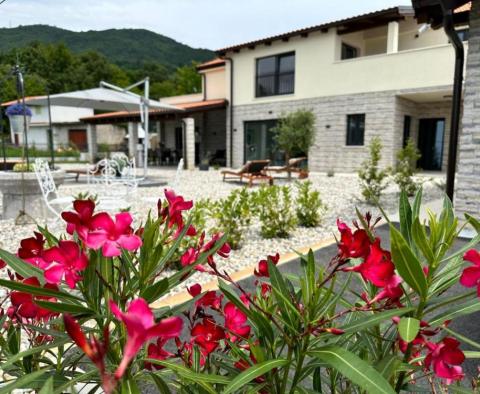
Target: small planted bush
column 275, row 210
column 406, row 168
column 309, row 205
column 373, row 180
column 232, row 216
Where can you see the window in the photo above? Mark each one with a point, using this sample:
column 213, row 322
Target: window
column 407, row 121
column 463, row 34
column 275, row 75
column 355, row 129
column 349, row 52
column 38, row 110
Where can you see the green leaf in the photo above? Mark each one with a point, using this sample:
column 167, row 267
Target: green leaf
column 407, row 263
column 417, row 202
column 408, row 328
column 73, row 309
column 47, row 388
column 162, row 386
column 155, row 291
column 37, row 290
column 21, row 267
column 34, row 350
column 82, row 377
column 473, row 222
column 466, row 308
column 405, row 215
column 189, row 374
column 374, row 320
column 388, row 365
column 22, row 382
column 283, row 296
column 419, row 236
column 354, row 369
column 253, row 372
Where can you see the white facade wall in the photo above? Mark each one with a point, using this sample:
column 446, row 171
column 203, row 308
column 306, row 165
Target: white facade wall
column 215, row 83
column 426, row 61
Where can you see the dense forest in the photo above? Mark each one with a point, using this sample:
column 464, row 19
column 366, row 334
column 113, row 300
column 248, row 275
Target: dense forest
column 53, row 63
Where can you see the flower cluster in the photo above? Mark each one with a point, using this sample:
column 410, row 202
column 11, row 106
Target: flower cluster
column 376, row 267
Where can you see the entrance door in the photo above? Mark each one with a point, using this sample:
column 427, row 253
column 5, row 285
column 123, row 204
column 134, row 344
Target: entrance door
column 260, row 143
column 430, row 143
column 78, row 138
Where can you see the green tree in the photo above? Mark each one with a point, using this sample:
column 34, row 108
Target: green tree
column 406, row 168
column 187, row 80
column 373, row 180
column 295, row 133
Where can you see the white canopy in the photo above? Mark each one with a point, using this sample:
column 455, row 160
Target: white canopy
column 102, row 99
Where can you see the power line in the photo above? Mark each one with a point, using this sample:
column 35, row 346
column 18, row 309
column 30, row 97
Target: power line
column 2, row 1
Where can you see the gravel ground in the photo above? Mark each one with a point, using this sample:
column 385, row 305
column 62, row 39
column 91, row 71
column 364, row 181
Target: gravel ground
column 340, row 194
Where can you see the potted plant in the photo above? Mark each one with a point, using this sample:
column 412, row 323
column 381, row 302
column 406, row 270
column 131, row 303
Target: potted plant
column 15, row 114
column 205, row 163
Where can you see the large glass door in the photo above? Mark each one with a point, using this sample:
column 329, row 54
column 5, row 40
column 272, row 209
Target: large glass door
column 430, row 143
column 260, row 142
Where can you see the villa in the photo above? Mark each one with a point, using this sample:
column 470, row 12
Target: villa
column 378, row 74
column 371, row 75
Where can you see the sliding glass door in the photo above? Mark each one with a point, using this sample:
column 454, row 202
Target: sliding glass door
column 260, row 142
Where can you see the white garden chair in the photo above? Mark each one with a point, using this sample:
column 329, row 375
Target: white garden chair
column 47, row 185
column 114, row 181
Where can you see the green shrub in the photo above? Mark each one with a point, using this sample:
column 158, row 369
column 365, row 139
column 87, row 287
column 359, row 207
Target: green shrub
column 373, row 180
column 23, row 167
column 406, row 168
column 276, row 214
column 232, row 216
column 309, row 205
column 17, row 151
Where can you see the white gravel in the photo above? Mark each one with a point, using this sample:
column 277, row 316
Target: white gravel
column 340, row 194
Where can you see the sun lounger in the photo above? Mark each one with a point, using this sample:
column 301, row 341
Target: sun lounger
column 251, row 171
column 293, row 166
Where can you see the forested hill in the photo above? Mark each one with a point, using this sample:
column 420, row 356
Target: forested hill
column 130, row 48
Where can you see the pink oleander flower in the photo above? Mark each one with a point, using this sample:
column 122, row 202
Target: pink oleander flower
column 80, row 220
column 157, row 352
column 235, row 322
column 392, row 292
column 207, row 335
column 352, row 245
column 262, row 269
column 141, row 327
column 94, row 349
column 209, row 299
column 64, row 261
column 23, row 303
column 445, row 359
column 176, row 204
column 194, row 290
column 31, row 250
column 112, row 236
column 471, row 275
column 377, row 267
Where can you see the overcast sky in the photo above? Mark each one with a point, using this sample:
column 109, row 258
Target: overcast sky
column 199, row 23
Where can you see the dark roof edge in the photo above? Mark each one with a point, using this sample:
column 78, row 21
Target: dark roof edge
column 400, row 11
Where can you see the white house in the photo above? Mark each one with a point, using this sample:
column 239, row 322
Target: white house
column 67, row 128
column 369, row 75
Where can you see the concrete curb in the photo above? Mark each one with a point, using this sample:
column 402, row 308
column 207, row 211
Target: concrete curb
column 240, row 275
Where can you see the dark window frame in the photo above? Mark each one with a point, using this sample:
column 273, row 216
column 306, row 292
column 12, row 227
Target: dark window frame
column 347, row 47
column 276, row 75
column 357, row 120
column 407, row 128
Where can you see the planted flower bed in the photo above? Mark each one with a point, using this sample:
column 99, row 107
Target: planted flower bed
column 79, row 310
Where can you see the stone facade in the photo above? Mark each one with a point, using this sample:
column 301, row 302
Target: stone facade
column 384, row 117
column 468, row 169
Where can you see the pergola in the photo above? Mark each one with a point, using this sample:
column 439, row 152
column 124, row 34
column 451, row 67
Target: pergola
column 109, row 97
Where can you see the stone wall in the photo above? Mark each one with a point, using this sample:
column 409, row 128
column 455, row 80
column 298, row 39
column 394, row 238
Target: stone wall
column 467, row 196
column 384, row 113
